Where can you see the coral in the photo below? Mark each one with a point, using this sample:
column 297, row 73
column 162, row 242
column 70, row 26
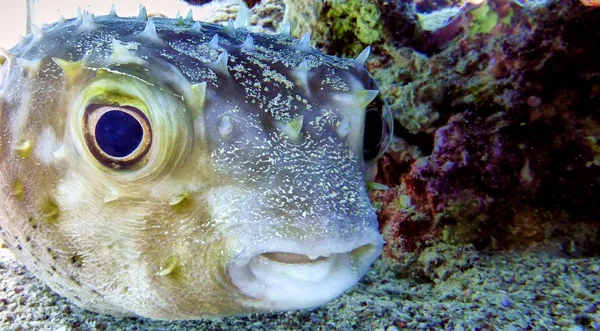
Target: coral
column 305, row 16
column 434, row 20
column 442, row 25
column 512, row 161
column 419, row 101
column 343, row 27
column 267, row 15
column 399, row 23
column 356, row 17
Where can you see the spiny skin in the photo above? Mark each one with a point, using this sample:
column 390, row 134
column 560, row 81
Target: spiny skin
column 253, row 171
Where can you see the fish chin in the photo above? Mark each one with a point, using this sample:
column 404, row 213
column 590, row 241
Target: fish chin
column 291, row 275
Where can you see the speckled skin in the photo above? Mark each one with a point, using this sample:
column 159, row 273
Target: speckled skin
column 256, row 149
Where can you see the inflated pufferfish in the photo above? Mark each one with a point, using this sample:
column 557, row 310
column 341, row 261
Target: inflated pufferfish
column 173, row 169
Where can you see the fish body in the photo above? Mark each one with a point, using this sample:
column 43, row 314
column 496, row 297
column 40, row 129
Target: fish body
column 173, row 169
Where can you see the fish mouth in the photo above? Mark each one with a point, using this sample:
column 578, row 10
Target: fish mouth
column 295, row 278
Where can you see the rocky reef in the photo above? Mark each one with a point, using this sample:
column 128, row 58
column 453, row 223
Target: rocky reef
column 497, row 111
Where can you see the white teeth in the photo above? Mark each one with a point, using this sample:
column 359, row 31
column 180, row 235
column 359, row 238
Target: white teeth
column 315, row 257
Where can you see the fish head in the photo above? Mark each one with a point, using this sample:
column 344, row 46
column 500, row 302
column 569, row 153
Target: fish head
column 175, row 171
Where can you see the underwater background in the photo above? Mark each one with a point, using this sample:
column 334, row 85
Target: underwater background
column 491, row 209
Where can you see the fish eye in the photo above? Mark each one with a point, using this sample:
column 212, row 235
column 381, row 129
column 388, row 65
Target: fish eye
column 117, row 136
column 378, row 130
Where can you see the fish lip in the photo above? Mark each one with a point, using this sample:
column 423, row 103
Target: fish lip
column 288, row 275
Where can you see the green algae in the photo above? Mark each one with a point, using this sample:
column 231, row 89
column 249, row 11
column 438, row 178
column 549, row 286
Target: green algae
column 355, row 24
column 484, row 19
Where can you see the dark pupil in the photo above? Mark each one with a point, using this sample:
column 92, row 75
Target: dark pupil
column 372, row 136
column 118, row 134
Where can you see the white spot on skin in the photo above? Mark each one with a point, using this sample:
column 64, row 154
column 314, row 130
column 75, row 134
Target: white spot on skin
column 344, row 128
column 292, row 128
column 121, row 54
column 111, row 195
column 46, row 146
column 225, row 127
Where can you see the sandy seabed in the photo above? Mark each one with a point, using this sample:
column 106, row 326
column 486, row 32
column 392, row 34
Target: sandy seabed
column 531, row 290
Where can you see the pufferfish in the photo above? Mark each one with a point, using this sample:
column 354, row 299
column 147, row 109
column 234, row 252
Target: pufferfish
column 173, row 169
